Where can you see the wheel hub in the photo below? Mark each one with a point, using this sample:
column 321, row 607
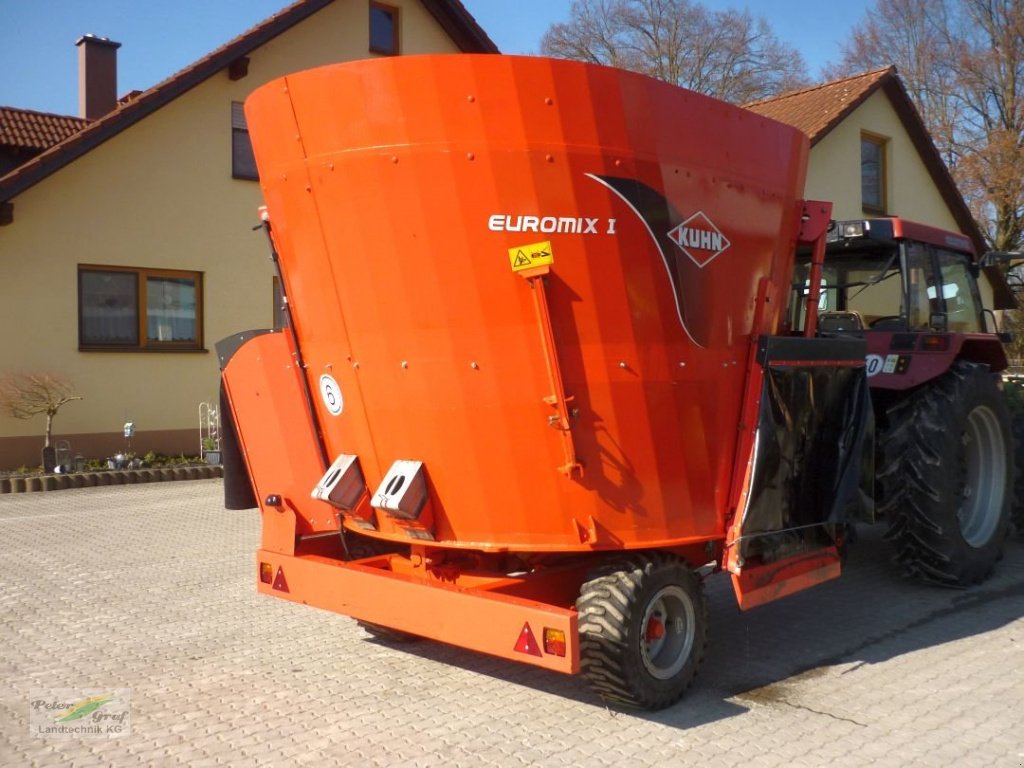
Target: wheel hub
column 655, row 629
column 982, row 472
column 668, row 632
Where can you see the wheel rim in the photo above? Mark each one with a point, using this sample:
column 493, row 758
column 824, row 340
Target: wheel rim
column 668, row 632
column 983, row 473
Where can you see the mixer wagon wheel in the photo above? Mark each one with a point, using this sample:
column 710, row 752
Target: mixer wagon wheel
column 387, row 634
column 643, row 623
column 947, row 477
column 358, row 548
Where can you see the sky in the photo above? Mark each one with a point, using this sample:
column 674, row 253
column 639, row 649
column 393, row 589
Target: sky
column 158, row 37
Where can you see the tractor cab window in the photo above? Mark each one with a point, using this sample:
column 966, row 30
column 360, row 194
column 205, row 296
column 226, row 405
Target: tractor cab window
column 871, row 287
column 959, row 297
column 921, row 304
column 863, row 289
column 859, row 290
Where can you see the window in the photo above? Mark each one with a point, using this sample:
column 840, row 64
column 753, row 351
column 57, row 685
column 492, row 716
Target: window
column 151, row 309
column 243, row 161
column 960, row 296
column 383, row 28
column 872, row 173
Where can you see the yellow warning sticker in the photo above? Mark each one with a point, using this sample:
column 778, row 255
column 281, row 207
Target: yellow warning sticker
column 530, row 256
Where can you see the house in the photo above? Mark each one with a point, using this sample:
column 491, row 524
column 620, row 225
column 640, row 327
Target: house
column 126, row 235
column 871, row 155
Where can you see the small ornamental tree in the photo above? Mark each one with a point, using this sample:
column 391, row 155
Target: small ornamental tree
column 26, row 395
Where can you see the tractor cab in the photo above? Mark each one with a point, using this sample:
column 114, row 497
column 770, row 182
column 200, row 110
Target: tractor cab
column 909, row 289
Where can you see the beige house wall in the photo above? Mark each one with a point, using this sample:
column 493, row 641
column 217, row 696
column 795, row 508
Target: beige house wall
column 159, row 194
column 834, row 168
column 833, row 172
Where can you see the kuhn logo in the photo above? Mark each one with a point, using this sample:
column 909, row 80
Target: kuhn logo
column 699, row 238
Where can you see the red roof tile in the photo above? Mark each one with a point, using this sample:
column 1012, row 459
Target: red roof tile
column 817, row 110
column 28, row 129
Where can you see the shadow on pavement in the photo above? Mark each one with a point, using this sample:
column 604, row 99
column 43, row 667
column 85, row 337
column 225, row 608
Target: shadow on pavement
column 868, row 616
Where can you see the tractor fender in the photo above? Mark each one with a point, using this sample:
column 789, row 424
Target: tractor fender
column 902, row 361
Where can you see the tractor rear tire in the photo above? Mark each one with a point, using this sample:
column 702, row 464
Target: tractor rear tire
column 946, row 477
column 1017, row 515
column 643, row 624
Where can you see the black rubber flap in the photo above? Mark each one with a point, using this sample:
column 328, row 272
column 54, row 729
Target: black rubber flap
column 814, row 460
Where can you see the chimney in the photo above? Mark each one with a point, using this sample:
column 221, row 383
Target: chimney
column 97, row 76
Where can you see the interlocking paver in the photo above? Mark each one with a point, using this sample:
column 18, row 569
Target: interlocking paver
column 151, row 588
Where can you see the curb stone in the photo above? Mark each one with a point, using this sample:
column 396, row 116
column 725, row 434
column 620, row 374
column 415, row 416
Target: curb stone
column 50, row 483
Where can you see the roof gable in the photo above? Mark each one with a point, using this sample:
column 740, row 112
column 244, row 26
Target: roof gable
column 817, row 110
column 450, row 14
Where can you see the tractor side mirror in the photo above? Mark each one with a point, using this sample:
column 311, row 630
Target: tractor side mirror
column 1010, row 259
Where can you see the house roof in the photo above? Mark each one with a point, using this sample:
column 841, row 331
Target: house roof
column 450, row 14
column 28, row 129
column 819, row 109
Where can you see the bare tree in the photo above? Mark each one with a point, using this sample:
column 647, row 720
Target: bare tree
column 26, row 395
column 727, row 54
column 989, row 44
column 963, row 64
column 912, row 34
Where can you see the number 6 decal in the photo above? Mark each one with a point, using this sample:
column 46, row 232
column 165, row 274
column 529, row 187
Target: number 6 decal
column 330, row 393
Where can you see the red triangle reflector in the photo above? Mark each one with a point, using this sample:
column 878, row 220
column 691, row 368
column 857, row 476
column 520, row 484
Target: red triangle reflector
column 527, row 643
column 281, row 584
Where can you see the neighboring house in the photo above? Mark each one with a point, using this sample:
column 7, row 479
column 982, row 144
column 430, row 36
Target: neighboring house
column 871, row 155
column 25, row 133
column 126, row 241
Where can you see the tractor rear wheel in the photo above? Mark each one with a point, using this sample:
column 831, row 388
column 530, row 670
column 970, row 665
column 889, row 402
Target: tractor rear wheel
column 946, row 477
column 1017, row 516
column 643, row 623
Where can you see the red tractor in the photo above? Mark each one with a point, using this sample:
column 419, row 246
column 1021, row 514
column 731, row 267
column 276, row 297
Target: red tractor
column 943, row 461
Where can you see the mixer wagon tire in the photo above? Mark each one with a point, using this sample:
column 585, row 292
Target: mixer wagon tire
column 358, row 548
column 643, row 624
column 387, row 634
column 946, row 477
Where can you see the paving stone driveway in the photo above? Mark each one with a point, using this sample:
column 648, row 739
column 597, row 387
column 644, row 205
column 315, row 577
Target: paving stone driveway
column 150, row 588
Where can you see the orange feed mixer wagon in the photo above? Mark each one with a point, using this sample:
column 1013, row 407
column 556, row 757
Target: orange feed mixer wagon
column 534, row 386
